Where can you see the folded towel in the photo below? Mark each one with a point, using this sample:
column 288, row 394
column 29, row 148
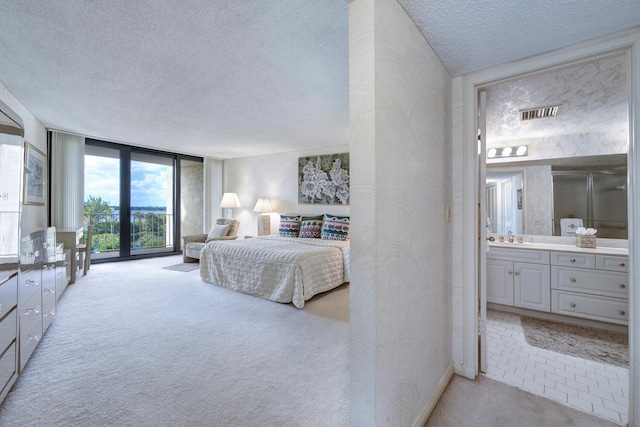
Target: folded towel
column 568, row 226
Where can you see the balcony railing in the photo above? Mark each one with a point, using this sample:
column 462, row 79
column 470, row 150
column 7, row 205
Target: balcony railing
column 150, row 232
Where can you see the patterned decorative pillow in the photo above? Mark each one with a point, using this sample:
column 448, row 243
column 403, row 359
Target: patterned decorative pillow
column 289, row 225
column 311, row 226
column 335, row 227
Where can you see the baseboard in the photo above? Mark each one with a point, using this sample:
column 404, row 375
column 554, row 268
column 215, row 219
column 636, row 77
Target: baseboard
column 464, row 371
column 435, row 397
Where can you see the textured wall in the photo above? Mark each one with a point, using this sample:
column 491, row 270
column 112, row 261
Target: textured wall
column 400, row 289
column 274, row 176
column 191, row 199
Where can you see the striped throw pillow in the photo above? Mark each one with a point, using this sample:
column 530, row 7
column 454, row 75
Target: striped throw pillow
column 335, row 227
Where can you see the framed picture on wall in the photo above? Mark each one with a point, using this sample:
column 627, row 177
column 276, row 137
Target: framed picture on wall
column 324, row 179
column 35, row 163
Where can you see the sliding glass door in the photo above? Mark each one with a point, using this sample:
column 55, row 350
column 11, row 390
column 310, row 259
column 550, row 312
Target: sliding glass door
column 131, row 198
column 151, row 203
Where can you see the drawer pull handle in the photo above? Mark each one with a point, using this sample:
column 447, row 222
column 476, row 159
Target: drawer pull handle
column 622, row 312
column 572, row 260
column 33, row 338
column 622, row 285
column 510, row 273
column 573, row 304
column 517, row 273
column 621, row 264
column 573, row 280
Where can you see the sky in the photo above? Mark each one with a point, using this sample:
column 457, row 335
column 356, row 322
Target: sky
column 148, row 181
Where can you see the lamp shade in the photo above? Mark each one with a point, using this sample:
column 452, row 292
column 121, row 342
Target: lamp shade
column 230, row 200
column 263, row 205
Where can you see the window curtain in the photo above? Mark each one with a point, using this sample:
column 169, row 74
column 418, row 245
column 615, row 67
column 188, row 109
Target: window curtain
column 212, row 192
column 67, row 181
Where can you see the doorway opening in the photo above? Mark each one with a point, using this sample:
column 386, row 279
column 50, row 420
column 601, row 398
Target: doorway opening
column 525, row 267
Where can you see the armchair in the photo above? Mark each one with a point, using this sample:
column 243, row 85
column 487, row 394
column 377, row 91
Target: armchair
column 195, row 242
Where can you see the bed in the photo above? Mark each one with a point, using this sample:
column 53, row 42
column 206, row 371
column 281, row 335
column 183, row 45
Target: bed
column 281, row 269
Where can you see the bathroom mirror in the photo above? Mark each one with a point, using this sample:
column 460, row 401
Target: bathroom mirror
column 557, row 146
column 533, row 197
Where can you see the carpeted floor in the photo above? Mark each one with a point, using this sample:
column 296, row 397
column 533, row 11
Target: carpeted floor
column 137, row 345
column 580, row 341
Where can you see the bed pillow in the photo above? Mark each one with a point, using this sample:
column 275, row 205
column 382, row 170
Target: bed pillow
column 311, row 226
column 289, row 225
column 335, row 227
column 217, row 231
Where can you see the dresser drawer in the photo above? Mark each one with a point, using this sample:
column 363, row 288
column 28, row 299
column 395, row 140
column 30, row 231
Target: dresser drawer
column 30, row 327
column 612, row 310
column 48, row 305
column 8, row 330
column 596, row 282
column 519, row 255
column 8, row 295
column 573, row 259
column 612, row 263
column 29, row 284
column 7, row 366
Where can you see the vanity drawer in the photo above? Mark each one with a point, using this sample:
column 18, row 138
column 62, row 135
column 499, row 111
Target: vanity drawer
column 612, row 310
column 612, row 263
column 8, row 295
column 573, row 259
column 519, row 255
column 590, row 281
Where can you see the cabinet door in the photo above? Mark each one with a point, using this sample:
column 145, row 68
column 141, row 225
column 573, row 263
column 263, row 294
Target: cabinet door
column 532, row 286
column 500, row 282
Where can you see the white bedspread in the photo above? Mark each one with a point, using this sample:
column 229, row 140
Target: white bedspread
column 282, row 269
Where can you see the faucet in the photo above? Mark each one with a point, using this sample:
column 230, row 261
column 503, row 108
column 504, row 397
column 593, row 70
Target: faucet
column 511, row 237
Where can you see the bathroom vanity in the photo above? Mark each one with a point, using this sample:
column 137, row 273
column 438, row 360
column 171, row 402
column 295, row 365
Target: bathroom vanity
column 561, row 279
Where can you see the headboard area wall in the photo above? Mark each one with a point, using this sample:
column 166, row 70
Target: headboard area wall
column 274, row 176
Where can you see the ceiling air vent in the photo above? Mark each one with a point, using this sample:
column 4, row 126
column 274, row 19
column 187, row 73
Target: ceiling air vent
column 539, row 113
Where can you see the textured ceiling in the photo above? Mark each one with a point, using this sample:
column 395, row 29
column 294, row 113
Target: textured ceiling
column 471, row 35
column 241, row 78
column 224, row 78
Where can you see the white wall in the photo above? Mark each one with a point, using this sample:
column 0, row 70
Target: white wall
column 400, row 94
column 33, row 217
column 274, row 176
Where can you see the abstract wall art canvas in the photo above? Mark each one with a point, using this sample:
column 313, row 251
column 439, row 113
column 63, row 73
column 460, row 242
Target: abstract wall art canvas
column 324, row 179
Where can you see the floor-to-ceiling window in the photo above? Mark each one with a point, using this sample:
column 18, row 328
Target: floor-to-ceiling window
column 131, row 198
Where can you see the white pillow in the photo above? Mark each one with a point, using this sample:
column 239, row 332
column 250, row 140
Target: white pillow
column 218, row 230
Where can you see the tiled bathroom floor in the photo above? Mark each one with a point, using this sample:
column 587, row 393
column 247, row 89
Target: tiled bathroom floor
column 583, row 384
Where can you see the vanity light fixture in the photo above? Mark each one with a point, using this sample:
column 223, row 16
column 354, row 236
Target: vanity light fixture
column 516, row 151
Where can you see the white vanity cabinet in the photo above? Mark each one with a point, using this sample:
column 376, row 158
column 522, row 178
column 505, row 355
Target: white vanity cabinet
column 518, row 278
column 591, row 286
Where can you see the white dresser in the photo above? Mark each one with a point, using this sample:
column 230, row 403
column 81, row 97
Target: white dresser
column 587, row 283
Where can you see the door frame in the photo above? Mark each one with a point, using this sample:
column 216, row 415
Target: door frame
column 628, row 42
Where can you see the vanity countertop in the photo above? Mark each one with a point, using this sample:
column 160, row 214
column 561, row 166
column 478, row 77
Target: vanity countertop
column 603, row 250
